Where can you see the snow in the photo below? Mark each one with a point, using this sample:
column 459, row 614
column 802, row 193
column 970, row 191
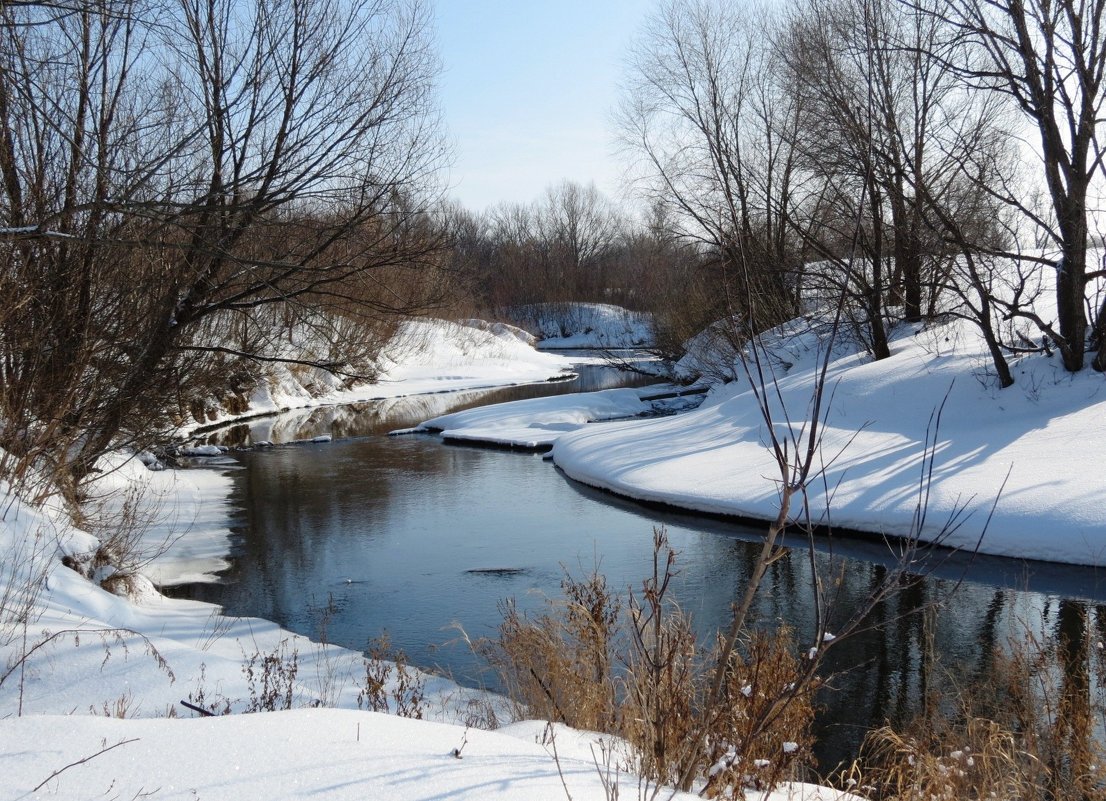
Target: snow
column 106, row 655
column 1039, row 442
column 424, row 356
column 308, row 753
column 185, row 515
column 536, row 422
column 79, row 655
column 297, row 754
column 201, row 450
column 1034, row 447
column 586, row 325
column 437, row 355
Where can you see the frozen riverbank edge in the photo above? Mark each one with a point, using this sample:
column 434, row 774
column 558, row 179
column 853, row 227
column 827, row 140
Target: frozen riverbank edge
column 84, row 657
column 922, row 444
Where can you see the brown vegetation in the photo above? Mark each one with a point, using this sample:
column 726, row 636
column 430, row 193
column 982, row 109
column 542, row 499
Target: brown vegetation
column 1029, row 730
column 633, row 668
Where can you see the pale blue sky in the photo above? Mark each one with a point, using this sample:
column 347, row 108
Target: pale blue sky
column 528, row 90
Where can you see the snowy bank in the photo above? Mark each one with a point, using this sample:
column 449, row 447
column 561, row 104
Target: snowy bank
column 1035, row 447
column 314, row 753
column 536, row 422
column 424, row 356
column 585, row 325
column 87, row 658
column 70, row 648
column 85, row 652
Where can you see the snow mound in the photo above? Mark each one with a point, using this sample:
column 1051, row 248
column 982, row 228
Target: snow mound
column 536, row 422
column 423, row 356
column 1030, row 446
column 585, row 325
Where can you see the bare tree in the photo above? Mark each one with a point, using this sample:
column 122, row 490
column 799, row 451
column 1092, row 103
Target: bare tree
column 582, row 227
column 702, row 117
column 171, row 166
column 1049, row 58
column 557, row 249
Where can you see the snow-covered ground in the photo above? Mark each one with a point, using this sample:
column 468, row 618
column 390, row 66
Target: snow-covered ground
column 1033, row 451
column 536, row 422
column 103, row 657
column 93, row 652
column 425, row 356
column 1034, row 448
column 316, row 753
column 73, row 655
column 586, row 325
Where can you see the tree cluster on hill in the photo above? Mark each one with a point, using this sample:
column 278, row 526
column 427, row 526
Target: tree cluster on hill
column 897, row 153
column 573, row 245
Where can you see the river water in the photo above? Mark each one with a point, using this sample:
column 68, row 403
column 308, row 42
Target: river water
column 404, row 534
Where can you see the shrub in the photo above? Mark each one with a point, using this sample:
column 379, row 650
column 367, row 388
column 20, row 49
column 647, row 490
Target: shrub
column 391, row 685
column 561, row 666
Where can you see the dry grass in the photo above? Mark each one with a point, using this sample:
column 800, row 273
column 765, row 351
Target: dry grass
column 641, row 675
column 391, row 685
column 271, row 679
column 558, row 665
column 1030, row 730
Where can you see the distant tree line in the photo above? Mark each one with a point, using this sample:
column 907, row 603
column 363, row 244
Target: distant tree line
column 573, row 244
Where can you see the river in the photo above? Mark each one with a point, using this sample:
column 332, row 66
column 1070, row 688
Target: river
column 372, row 533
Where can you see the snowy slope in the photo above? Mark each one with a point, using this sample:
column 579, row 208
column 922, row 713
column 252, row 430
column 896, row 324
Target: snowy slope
column 319, row 753
column 72, row 654
column 536, row 422
column 1043, row 438
column 586, row 325
column 93, row 657
column 424, row 356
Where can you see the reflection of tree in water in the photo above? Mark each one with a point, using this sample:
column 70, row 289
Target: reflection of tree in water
column 883, row 673
column 387, row 414
column 372, row 508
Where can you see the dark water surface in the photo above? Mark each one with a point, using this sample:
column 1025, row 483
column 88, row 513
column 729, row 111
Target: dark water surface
column 406, row 534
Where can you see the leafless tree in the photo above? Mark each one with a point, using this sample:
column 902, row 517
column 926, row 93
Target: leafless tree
column 702, row 118
column 582, row 228
column 1049, row 58
column 894, row 139
column 171, row 167
column 557, row 249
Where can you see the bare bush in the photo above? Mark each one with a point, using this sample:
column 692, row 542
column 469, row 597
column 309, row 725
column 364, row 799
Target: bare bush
column 560, row 666
column 271, row 679
column 391, row 684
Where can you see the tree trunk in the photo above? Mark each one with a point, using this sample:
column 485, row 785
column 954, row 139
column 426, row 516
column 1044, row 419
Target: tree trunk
column 1071, row 284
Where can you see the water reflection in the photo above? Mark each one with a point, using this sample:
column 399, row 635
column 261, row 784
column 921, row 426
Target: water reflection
column 388, row 414
column 372, row 532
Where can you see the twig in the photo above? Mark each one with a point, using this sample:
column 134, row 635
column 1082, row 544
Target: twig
column 207, row 713
column 88, row 758
column 551, row 738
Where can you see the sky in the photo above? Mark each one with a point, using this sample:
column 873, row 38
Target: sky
column 528, row 93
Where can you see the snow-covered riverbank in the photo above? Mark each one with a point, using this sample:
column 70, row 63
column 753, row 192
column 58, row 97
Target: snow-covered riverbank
column 1034, row 449
column 425, row 356
column 92, row 652
column 72, row 649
